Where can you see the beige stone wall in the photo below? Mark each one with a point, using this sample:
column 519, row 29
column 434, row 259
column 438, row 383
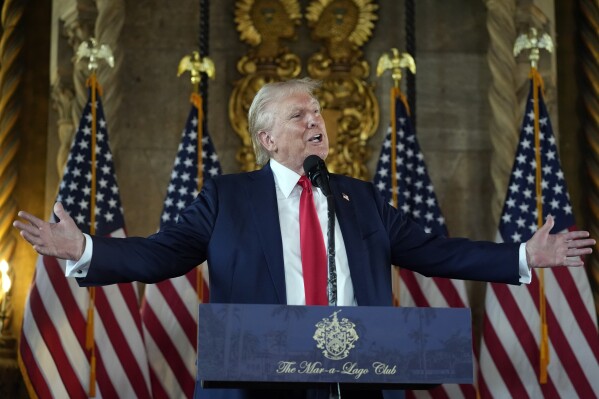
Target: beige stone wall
column 453, row 112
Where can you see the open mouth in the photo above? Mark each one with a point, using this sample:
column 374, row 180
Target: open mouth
column 316, row 139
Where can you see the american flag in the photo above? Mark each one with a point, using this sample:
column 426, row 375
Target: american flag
column 52, row 352
column 509, row 359
column 416, row 198
column 170, row 308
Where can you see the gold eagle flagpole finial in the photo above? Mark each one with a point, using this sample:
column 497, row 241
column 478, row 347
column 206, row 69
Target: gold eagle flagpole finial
column 531, row 41
column 395, row 62
column 95, row 52
column 196, row 65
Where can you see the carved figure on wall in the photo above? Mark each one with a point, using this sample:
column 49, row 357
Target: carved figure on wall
column 264, row 25
column 349, row 105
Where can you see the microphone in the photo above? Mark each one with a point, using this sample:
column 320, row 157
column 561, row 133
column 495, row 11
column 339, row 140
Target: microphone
column 318, row 174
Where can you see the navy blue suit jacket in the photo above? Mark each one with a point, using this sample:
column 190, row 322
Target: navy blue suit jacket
column 234, row 224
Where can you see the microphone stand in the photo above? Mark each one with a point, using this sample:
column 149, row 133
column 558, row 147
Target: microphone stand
column 332, row 280
column 317, row 172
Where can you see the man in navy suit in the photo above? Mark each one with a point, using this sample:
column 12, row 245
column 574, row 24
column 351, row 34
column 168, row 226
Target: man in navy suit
column 246, row 226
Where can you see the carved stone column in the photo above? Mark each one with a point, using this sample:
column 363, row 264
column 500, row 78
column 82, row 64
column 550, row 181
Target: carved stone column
column 10, row 107
column 73, row 23
column 62, row 103
column 109, row 24
column 11, row 71
column 76, row 21
column 502, row 96
column 589, row 34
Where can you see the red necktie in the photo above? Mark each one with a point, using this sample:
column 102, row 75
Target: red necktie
column 314, row 255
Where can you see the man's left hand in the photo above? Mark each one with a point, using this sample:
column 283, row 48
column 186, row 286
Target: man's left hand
column 562, row 249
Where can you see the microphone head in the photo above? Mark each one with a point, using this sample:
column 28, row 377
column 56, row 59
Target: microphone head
column 315, row 169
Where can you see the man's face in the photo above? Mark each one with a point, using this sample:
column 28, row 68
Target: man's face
column 298, row 131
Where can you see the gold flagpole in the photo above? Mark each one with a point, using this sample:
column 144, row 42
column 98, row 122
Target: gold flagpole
column 534, row 43
column 197, row 65
column 94, row 52
column 89, row 341
column 196, row 99
column 395, row 93
column 395, row 62
column 544, row 345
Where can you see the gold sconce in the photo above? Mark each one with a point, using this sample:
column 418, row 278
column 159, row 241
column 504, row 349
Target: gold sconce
column 5, row 297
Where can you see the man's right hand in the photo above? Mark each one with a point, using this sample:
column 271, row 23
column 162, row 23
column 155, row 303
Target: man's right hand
column 62, row 240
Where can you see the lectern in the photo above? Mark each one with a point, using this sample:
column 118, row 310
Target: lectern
column 368, row 347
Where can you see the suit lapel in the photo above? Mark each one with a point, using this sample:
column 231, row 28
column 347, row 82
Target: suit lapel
column 263, row 200
column 352, row 234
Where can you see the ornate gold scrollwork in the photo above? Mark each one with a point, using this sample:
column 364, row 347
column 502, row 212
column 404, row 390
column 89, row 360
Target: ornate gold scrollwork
column 263, row 24
column 350, row 107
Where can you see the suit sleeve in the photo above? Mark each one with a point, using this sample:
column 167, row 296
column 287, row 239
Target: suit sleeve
column 439, row 256
column 173, row 251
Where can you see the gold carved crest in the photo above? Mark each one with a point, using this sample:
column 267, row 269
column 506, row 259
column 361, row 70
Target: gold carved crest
column 264, row 25
column 350, row 109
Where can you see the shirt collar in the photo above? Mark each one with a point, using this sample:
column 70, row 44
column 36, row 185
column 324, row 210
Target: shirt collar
column 285, row 178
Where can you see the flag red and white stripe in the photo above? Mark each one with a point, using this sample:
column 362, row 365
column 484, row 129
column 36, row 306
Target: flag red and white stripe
column 510, row 364
column 170, row 316
column 53, row 356
column 509, row 357
column 52, row 347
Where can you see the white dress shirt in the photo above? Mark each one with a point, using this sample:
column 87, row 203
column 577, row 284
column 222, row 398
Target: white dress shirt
column 288, row 199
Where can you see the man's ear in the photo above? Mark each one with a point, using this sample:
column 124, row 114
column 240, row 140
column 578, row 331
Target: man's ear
column 266, row 140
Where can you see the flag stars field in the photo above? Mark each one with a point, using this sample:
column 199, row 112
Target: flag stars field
column 522, row 191
column 509, row 356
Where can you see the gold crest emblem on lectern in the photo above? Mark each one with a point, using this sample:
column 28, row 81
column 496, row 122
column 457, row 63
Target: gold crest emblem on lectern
column 335, row 337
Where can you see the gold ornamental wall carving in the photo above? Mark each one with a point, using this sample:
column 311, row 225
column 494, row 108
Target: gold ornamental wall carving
column 350, row 108
column 263, row 24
